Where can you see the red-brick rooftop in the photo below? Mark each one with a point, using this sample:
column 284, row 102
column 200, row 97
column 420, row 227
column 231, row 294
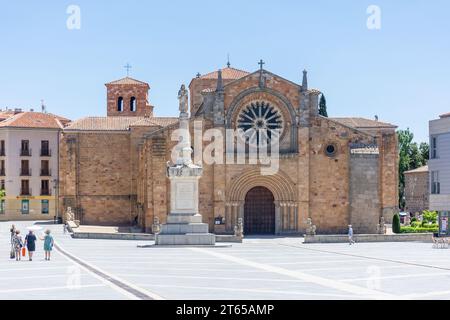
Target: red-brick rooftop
column 118, row 123
column 34, row 120
column 227, row 74
column 362, row 123
column 128, row 81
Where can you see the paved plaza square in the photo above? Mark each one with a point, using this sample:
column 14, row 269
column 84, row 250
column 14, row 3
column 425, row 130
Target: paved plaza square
column 259, row 268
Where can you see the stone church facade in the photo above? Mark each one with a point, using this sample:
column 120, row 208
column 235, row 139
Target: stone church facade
column 336, row 171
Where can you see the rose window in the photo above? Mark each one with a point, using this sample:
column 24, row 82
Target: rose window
column 260, row 120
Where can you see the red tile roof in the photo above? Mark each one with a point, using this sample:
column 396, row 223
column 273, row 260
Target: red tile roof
column 362, row 123
column 32, row 120
column 156, row 121
column 118, row 123
column 128, row 80
column 7, row 114
column 227, row 74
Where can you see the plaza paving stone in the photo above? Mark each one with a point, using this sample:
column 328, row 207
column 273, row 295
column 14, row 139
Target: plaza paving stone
column 259, row 268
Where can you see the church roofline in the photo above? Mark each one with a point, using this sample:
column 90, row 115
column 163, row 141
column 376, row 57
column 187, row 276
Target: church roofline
column 128, row 81
column 272, row 74
column 346, row 126
column 213, row 75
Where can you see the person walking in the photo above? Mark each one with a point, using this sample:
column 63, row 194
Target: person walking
column 12, row 231
column 48, row 244
column 17, row 244
column 350, row 235
column 30, row 243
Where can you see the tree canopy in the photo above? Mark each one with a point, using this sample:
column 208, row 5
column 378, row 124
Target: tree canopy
column 412, row 156
column 323, row 106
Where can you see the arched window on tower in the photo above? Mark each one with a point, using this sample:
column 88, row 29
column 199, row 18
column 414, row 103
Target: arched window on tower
column 133, row 104
column 120, row 104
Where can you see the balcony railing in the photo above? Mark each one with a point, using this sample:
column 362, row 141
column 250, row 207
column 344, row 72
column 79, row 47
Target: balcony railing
column 25, row 172
column 46, row 173
column 46, row 152
column 46, row 192
column 25, row 152
column 25, row 191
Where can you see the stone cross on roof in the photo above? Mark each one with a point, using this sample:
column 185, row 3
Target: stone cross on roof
column 128, row 67
column 261, row 63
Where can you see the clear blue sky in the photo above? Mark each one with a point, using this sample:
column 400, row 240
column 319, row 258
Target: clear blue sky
column 401, row 72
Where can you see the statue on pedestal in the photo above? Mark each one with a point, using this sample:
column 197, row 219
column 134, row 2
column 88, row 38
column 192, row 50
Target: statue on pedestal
column 239, row 229
column 183, row 98
column 184, row 224
column 69, row 214
column 156, row 227
column 310, row 229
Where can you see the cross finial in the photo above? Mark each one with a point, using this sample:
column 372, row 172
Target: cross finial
column 228, row 60
column 261, row 63
column 198, row 75
column 128, row 67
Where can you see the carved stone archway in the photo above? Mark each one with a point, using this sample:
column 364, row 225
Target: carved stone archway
column 283, row 190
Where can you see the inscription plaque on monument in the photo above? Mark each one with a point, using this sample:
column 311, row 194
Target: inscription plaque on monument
column 184, row 195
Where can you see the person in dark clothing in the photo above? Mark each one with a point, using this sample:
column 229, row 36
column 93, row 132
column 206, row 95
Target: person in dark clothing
column 30, row 243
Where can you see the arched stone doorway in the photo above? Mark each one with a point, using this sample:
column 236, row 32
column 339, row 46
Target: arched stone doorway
column 259, row 212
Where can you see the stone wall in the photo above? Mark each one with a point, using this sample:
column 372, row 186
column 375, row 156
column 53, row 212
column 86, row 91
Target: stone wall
column 417, row 191
column 389, row 161
column 329, row 176
column 96, row 171
column 365, row 209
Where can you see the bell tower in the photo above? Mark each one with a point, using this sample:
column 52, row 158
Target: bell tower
column 128, row 97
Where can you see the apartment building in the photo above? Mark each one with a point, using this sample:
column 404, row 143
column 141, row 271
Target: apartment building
column 29, row 151
column 439, row 169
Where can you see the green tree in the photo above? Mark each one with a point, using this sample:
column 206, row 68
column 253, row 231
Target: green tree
column 396, row 224
column 2, row 196
column 323, row 106
column 424, row 149
column 412, row 157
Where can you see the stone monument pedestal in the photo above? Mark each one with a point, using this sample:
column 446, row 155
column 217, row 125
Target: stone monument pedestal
column 184, row 224
column 185, row 229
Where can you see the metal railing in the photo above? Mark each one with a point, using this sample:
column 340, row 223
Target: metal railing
column 25, row 172
column 25, row 152
column 46, row 152
column 46, row 173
